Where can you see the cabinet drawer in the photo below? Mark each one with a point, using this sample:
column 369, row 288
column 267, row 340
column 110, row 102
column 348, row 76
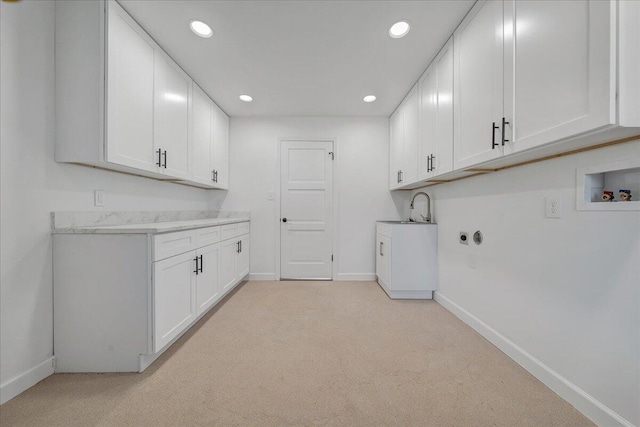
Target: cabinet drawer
column 170, row 244
column 384, row 229
column 243, row 228
column 208, row 236
column 228, row 231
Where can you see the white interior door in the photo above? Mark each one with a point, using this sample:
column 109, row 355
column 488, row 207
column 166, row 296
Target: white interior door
column 306, row 188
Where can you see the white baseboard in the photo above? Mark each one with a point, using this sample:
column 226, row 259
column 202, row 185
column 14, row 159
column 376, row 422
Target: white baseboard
column 16, row 385
column 581, row 400
column 262, row 276
column 361, row 277
column 342, row 277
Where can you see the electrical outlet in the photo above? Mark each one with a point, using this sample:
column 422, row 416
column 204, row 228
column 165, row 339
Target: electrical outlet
column 270, row 195
column 464, row 238
column 553, row 208
column 98, row 198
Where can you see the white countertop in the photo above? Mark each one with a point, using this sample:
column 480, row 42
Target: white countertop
column 149, row 228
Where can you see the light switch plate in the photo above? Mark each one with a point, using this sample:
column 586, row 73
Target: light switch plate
column 98, row 198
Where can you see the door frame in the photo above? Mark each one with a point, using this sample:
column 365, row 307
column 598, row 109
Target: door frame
column 334, row 201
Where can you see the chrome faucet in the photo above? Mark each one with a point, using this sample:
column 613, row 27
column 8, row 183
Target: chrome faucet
column 428, row 217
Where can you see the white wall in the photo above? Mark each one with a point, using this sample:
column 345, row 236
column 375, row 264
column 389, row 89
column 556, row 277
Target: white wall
column 566, row 290
column 360, row 187
column 33, row 185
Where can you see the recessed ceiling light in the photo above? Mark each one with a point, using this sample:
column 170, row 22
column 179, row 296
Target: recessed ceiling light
column 369, row 98
column 201, row 29
column 399, row 29
column 245, row 98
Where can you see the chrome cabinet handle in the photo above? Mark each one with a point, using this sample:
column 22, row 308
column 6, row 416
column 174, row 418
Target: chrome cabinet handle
column 381, row 243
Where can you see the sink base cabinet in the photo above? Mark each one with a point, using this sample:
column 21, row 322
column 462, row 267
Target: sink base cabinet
column 118, row 310
column 406, row 260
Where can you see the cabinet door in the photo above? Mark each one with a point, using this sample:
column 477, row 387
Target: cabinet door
column 171, row 117
column 410, row 138
column 201, row 137
column 395, row 149
column 242, row 263
column 174, row 306
column 383, row 259
column 443, row 157
column 565, row 88
column 221, row 148
column 428, row 89
column 207, row 289
column 129, row 140
column 228, row 255
column 478, row 63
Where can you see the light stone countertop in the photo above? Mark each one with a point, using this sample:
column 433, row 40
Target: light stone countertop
column 407, row 222
column 150, row 228
column 140, row 222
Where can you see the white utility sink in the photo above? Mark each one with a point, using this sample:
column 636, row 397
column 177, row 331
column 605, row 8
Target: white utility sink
column 406, row 258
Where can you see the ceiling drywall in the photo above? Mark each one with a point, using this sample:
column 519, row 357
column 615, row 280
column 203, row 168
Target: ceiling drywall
column 302, row 58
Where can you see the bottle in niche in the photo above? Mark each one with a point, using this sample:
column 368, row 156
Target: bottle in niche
column 624, row 195
column 607, row 196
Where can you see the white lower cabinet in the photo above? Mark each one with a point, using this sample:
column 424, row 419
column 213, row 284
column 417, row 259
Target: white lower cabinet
column 234, row 260
column 120, row 300
column 242, row 260
column 228, row 255
column 383, row 258
column 174, row 305
column 208, row 288
column 406, row 259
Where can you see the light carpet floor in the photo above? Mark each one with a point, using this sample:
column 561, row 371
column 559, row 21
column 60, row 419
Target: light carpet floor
column 308, row 353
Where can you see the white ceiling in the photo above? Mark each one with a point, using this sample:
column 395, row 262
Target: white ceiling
column 299, row 58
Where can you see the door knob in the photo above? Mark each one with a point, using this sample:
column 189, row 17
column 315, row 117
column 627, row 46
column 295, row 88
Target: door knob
column 284, row 219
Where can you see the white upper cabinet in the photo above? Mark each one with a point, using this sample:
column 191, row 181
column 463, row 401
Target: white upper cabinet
column 220, row 152
column 201, row 137
column 428, row 86
column 443, row 163
column 123, row 104
column 435, row 147
column 403, row 130
column 130, row 94
column 410, row 137
column 478, row 86
column 395, row 149
column 171, row 117
column 562, row 78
